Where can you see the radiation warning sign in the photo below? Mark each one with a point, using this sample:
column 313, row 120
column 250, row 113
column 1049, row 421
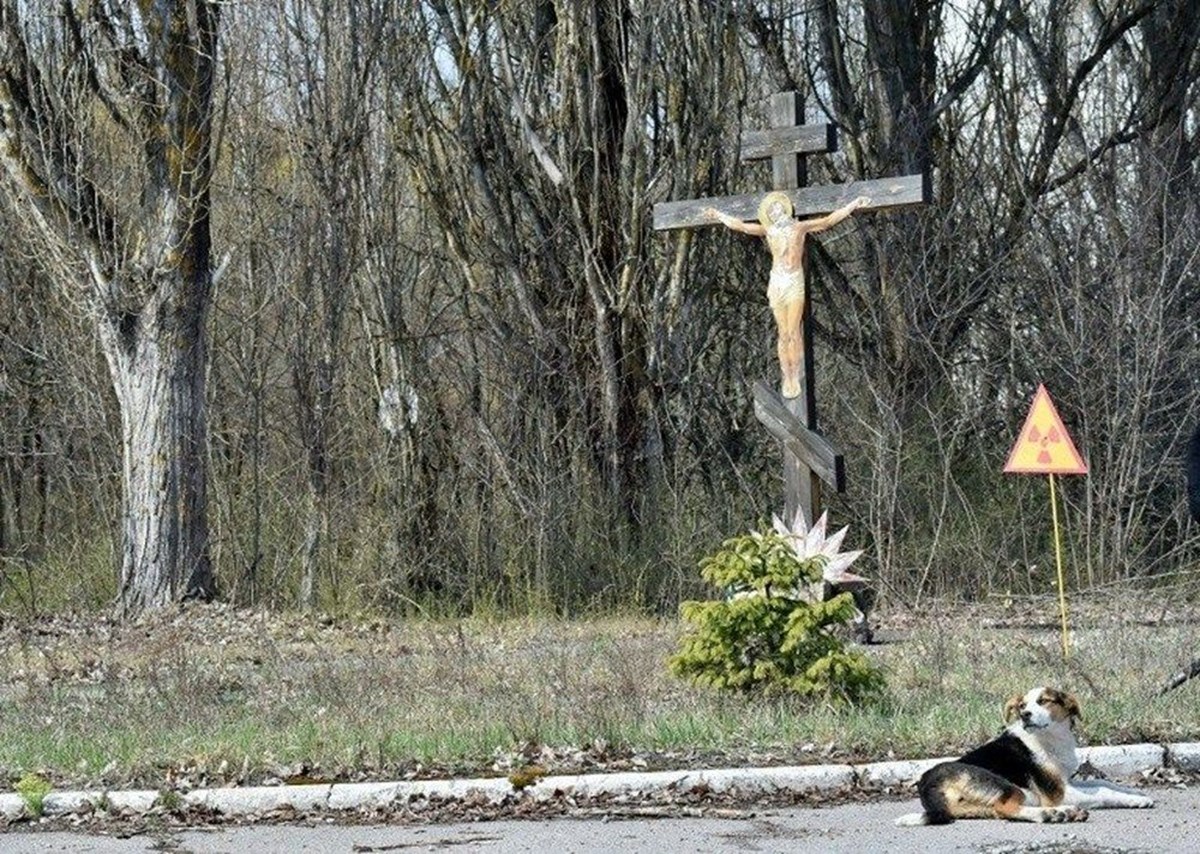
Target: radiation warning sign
column 1044, row 446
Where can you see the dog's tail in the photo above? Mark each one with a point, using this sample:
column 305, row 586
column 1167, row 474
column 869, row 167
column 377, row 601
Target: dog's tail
column 1193, row 475
column 913, row 819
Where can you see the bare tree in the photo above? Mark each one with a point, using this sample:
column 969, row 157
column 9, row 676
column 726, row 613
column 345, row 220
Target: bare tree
column 106, row 115
column 25, row 380
column 535, row 135
column 252, row 189
column 331, row 54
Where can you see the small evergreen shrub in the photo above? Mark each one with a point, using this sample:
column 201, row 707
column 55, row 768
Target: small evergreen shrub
column 768, row 634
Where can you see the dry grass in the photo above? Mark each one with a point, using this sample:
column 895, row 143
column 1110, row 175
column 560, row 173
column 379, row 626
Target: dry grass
column 210, row 695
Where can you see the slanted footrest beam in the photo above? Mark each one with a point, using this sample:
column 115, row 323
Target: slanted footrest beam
column 810, row 447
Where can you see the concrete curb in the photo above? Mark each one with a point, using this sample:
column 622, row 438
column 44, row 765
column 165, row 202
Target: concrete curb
column 1126, row 760
column 1116, row 761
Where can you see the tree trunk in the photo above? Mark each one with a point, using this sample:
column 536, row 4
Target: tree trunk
column 159, row 382
column 316, row 526
column 149, row 78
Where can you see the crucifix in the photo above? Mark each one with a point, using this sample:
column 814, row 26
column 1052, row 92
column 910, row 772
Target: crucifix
column 791, row 417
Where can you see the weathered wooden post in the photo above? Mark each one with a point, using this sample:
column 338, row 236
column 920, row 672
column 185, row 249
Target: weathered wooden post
column 808, row 459
column 802, row 483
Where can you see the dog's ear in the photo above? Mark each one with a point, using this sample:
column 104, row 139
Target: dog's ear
column 1072, row 707
column 1013, row 708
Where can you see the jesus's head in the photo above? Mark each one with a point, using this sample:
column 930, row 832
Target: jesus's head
column 774, row 209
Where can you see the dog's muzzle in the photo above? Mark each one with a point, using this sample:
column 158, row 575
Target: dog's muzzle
column 1028, row 722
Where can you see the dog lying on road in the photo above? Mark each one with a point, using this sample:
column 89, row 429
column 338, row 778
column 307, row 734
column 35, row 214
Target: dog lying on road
column 1024, row 774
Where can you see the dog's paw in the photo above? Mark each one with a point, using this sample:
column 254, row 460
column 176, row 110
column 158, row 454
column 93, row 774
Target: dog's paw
column 1142, row 803
column 1066, row 812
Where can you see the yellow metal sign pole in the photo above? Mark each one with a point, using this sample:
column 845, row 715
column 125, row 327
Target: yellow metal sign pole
column 1062, row 589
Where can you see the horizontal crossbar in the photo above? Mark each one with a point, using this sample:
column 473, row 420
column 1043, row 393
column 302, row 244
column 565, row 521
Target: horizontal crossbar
column 884, row 193
column 795, row 139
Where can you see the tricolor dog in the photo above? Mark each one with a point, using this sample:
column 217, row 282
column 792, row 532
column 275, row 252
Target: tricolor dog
column 1024, row 774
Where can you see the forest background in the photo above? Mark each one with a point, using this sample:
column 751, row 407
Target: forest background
column 450, row 367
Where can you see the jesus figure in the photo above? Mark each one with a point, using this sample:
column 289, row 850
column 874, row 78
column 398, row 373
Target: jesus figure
column 785, row 292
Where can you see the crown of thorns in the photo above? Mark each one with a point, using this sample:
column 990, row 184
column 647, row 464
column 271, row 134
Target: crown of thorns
column 769, row 201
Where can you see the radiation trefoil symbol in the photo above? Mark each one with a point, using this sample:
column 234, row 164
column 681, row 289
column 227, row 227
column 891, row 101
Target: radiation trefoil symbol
column 1044, row 446
column 1044, row 456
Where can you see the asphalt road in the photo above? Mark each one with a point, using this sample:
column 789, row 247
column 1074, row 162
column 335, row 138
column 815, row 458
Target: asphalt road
column 1172, row 826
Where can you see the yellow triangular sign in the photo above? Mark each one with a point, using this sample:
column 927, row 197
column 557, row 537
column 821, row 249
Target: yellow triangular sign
column 1044, row 446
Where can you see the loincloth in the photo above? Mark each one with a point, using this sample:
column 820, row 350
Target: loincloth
column 785, row 287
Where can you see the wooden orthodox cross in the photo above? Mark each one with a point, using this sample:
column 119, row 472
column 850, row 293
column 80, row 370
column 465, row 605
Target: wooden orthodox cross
column 808, row 459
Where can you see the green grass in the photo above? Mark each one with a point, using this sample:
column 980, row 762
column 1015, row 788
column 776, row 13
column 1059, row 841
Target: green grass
column 33, row 789
column 213, row 695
